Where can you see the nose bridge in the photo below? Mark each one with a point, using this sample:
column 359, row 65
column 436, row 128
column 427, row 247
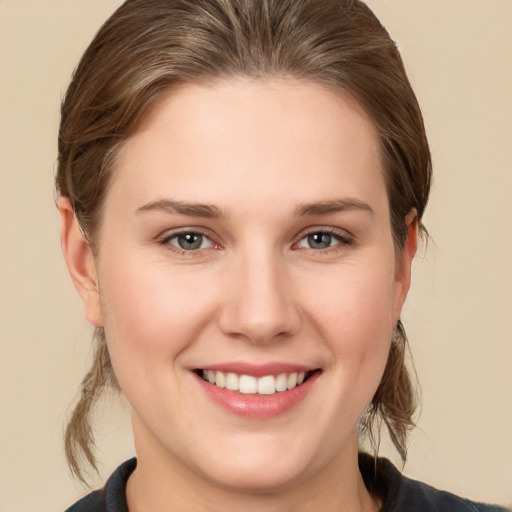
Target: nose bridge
column 260, row 306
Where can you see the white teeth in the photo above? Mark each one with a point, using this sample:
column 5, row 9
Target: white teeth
column 232, row 381
column 281, row 381
column 249, row 385
column 220, row 379
column 267, row 385
column 292, row 381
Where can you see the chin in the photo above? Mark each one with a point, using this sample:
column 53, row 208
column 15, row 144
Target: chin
column 263, row 466
column 257, row 478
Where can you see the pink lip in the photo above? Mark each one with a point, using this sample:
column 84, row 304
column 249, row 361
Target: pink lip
column 258, row 370
column 258, row 406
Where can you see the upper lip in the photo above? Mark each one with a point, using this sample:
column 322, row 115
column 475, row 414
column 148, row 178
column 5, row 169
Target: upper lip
column 257, row 370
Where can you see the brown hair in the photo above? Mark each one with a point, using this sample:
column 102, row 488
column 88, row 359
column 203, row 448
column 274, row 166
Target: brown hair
column 148, row 47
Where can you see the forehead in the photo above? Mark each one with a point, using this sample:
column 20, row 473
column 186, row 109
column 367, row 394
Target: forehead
column 264, row 138
column 300, row 108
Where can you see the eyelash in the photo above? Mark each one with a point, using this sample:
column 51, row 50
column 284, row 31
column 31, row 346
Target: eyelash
column 166, row 241
column 342, row 241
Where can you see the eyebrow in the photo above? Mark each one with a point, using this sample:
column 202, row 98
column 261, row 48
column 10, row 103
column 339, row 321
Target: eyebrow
column 205, row 211
column 334, row 206
column 208, row 211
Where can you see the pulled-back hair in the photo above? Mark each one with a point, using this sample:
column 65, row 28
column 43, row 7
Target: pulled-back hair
column 149, row 47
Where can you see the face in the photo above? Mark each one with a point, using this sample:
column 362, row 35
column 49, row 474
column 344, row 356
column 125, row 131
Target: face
column 246, row 243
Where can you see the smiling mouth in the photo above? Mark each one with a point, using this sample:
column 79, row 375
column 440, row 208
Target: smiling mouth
column 250, row 385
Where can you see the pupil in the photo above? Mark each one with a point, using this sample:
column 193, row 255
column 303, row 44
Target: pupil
column 319, row 240
column 190, row 241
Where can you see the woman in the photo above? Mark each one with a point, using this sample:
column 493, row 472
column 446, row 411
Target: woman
column 241, row 188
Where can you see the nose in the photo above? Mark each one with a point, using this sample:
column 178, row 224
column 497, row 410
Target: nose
column 259, row 304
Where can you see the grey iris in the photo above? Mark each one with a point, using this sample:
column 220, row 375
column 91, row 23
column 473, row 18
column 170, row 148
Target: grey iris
column 190, row 241
column 319, row 240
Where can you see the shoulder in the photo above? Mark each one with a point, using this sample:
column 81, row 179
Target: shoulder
column 420, row 496
column 400, row 493
column 112, row 498
column 93, row 502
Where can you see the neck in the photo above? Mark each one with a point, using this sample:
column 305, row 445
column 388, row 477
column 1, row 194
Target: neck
column 161, row 483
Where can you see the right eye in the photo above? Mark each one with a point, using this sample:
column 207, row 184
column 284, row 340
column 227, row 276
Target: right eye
column 188, row 241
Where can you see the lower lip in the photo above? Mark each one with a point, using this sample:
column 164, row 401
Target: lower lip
column 258, row 406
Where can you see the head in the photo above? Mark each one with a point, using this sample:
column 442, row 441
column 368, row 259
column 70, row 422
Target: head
column 151, row 49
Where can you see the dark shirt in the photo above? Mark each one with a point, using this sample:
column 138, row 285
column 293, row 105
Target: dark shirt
column 398, row 493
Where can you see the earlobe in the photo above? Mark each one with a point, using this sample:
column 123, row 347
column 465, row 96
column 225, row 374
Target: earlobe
column 80, row 262
column 403, row 270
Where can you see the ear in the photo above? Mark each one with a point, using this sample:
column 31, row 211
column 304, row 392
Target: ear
column 404, row 262
column 80, row 261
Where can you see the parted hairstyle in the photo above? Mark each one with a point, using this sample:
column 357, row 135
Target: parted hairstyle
column 148, row 47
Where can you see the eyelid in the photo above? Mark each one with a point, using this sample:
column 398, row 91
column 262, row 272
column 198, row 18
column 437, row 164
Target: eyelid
column 344, row 237
column 166, row 236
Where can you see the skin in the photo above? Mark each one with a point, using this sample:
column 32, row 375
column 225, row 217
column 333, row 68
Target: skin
column 255, row 291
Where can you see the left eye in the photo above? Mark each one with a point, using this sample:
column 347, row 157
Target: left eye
column 321, row 240
column 189, row 241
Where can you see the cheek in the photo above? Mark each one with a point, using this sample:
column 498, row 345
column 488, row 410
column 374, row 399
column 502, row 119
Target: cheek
column 152, row 316
column 355, row 305
column 353, row 312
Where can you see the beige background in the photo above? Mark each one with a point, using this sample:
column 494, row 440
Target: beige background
column 458, row 54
